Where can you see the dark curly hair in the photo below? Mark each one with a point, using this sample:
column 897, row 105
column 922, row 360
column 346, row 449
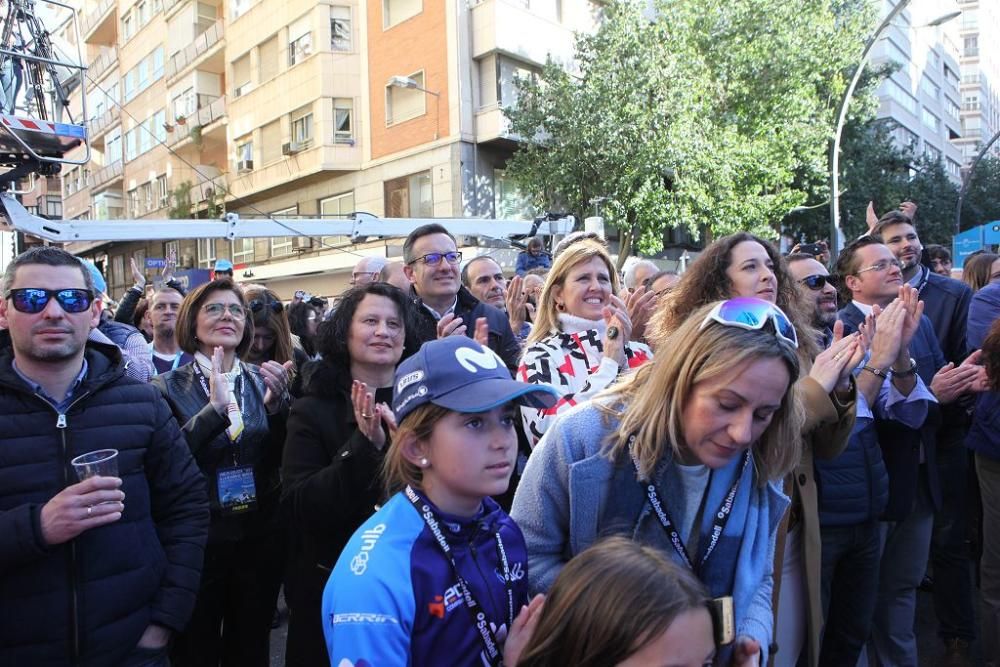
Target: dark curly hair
column 706, row 281
column 331, row 339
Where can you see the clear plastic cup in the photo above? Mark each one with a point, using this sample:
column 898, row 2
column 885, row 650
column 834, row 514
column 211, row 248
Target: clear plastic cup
column 103, row 463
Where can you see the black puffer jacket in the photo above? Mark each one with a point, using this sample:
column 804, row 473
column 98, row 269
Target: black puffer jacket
column 331, row 476
column 86, row 602
column 205, row 430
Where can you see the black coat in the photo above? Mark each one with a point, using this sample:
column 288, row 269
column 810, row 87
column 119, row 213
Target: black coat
column 502, row 339
column 331, row 477
column 205, row 431
column 86, row 602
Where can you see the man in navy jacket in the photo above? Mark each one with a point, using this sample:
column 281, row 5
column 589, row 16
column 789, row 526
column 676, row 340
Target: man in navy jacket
column 98, row 572
column 946, row 305
column 872, row 277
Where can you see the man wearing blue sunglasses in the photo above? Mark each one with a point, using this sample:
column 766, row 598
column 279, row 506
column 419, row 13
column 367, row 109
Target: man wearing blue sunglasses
column 95, row 576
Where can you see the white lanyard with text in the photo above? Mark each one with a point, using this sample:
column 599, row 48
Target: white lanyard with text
column 235, row 429
column 718, row 523
column 492, row 646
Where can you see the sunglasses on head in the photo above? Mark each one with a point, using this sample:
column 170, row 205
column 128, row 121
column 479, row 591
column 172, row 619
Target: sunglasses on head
column 34, row 299
column 818, row 282
column 752, row 314
column 256, row 306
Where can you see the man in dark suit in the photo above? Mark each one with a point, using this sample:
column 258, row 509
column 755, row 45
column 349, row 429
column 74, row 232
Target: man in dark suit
column 871, row 278
column 946, row 305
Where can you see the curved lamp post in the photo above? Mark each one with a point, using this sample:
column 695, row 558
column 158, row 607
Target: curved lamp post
column 842, row 117
column 967, row 180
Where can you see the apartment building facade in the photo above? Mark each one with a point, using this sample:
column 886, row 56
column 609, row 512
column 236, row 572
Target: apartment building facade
column 308, row 108
column 980, row 63
column 922, row 96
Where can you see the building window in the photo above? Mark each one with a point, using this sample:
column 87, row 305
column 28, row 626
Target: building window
column 239, row 7
column 932, row 153
column 302, row 128
column 206, row 253
column 972, row 46
column 241, row 76
column 268, row 60
column 340, row 28
column 162, row 191
column 405, row 103
column 299, row 40
column 146, row 197
column 242, row 251
column 270, row 142
column 185, row 104
column 397, row 11
column 339, row 206
column 508, row 202
column 244, row 156
column 128, row 26
column 172, row 250
column 930, row 88
column 409, row 196
column 929, row 119
column 142, row 13
column 53, row 209
column 901, row 96
column 117, row 276
column 343, row 126
column 281, row 246
column 133, row 202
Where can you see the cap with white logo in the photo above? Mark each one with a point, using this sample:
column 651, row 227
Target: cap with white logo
column 459, row 374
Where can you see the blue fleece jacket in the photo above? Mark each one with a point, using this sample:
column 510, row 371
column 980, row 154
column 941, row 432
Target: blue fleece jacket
column 984, row 434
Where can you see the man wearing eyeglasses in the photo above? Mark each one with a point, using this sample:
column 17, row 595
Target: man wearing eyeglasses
column 101, row 571
column 819, row 287
column 872, row 277
column 946, row 305
column 367, row 270
column 443, row 306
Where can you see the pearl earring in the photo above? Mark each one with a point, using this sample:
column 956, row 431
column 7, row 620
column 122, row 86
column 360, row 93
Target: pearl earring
column 423, row 463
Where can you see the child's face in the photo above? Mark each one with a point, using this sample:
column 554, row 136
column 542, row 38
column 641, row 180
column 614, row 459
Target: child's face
column 470, row 455
column 687, row 640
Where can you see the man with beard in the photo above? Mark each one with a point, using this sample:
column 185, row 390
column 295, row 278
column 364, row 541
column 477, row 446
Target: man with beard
column 167, row 355
column 484, row 278
column 946, row 305
column 100, row 571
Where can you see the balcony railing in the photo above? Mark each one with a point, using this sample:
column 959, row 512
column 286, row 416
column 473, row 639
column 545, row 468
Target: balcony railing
column 102, row 63
column 210, row 109
column 93, row 19
column 99, row 124
column 108, row 174
column 202, row 43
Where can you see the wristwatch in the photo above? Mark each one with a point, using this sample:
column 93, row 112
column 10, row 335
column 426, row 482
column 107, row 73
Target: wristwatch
column 912, row 370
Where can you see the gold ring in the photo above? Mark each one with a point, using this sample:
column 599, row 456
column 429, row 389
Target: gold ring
column 364, row 416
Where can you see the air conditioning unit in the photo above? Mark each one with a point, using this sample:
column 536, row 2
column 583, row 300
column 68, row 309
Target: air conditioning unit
column 244, row 166
column 302, row 242
column 291, row 148
column 240, row 91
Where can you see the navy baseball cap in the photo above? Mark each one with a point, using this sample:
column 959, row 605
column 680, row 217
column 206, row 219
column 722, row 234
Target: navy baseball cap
column 459, row 374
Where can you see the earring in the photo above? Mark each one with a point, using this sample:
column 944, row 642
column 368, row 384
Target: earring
column 560, row 307
column 423, row 462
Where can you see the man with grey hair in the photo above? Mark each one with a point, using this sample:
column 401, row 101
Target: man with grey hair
column 636, row 274
column 367, row 270
column 393, row 274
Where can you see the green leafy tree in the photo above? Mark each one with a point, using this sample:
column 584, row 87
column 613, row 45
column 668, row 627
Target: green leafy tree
column 707, row 115
column 982, row 199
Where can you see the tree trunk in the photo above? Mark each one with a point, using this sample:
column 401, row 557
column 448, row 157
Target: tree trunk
column 628, row 240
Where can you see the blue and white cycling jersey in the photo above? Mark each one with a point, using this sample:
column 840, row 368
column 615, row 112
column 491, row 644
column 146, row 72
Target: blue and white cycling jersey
column 393, row 599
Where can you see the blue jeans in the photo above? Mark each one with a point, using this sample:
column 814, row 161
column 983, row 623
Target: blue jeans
column 950, row 558
column 903, row 565
column 849, row 586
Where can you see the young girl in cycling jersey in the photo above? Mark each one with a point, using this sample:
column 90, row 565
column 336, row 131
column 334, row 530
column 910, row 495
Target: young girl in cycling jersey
column 439, row 573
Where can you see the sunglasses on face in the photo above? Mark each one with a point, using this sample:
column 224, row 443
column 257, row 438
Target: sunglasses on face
column 256, row 306
column 434, row 258
column 34, row 299
column 818, row 281
column 752, row 314
column 217, row 309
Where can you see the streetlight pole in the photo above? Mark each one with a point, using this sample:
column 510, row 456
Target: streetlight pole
column 841, row 119
column 967, row 181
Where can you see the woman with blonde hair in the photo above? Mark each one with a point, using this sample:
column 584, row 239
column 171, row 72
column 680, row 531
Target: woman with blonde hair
column 620, row 603
column 580, row 340
column 682, row 456
column 744, row 265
